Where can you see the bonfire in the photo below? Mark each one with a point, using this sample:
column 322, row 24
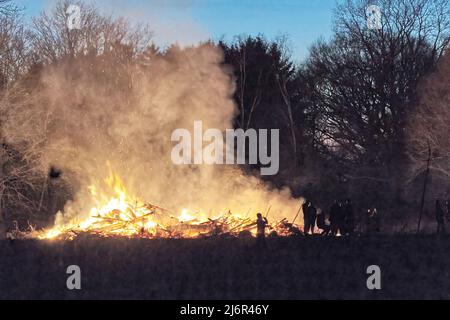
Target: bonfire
column 124, row 216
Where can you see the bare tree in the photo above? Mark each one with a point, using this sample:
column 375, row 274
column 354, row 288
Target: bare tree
column 412, row 23
column 252, row 74
column 429, row 126
column 14, row 48
column 428, row 132
column 364, row 82
column 98, row 34
column 105, row 45
column 264, row 77
column 287, row 98
column 7, row 7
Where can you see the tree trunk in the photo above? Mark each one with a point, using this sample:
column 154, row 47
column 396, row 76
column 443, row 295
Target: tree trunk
column 291, row 124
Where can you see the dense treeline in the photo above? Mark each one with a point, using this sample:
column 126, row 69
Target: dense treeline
column 352, row 115
column 359, row 118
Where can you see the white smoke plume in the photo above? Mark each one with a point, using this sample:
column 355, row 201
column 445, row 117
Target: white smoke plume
column 82, row 115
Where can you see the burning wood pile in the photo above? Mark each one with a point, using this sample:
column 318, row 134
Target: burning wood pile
column 121, row 216
column 147, row 222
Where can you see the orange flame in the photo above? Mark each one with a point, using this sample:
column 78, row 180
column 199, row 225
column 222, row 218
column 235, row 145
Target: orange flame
column 126, row 216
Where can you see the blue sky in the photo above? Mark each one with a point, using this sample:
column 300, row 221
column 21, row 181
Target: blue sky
column 188, row 21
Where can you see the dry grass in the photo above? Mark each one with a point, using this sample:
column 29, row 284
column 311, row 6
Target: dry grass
column 290, row 268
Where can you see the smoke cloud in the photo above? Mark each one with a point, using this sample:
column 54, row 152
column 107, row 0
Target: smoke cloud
column 86, row 117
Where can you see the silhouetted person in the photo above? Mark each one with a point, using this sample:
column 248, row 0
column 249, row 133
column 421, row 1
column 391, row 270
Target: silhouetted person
column 440, row 217
column 336, row 218
column 321, row 223
column 309, row 217
column 349, row 217
column 312, row 217
column 373, row 220
column 261, row 224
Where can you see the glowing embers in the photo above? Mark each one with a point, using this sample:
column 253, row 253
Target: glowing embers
column 121, row 215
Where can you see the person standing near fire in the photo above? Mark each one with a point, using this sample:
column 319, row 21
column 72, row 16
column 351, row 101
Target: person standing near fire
column 309, row 217
column 336, row 218
column 321, row 223
column 349, row 217
column 261, row 224
column 373, row 221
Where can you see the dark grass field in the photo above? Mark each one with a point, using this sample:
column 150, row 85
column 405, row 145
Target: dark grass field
column 416, row 267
